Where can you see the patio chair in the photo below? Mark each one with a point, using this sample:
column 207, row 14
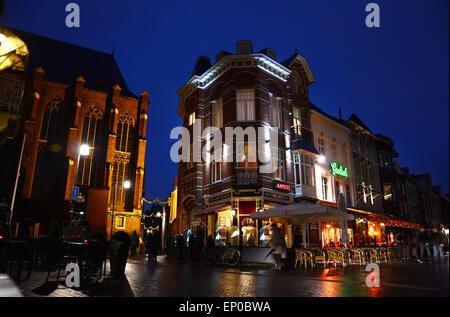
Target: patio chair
column 357, row 256
column 321, row 257
column 382, row 255
column 299, row 257
column 308, row 257
column 373, row 255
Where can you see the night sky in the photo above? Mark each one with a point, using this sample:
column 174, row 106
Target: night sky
column 394, row 78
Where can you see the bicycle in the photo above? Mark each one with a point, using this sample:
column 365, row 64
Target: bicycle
column 230, row 256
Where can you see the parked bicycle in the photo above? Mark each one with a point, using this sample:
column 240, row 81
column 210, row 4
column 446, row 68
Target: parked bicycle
column 229, row 255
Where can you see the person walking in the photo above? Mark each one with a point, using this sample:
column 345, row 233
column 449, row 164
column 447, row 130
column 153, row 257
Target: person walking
column 278, row 245
column 134, row 243
column 437, row 241
column 424, row 244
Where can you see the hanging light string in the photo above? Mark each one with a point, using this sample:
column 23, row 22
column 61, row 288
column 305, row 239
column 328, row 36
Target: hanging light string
column 156, row 201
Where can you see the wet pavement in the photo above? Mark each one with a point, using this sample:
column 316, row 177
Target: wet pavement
column 193, row 280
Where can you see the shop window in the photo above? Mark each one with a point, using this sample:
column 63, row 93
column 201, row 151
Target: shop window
column 249, row 232
column 265, row 235
column 221, row 236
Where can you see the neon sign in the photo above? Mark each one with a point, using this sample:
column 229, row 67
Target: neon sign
column 283, row 186
column 341, row 171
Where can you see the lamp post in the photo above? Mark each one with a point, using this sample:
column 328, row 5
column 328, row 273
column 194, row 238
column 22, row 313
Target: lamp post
column 126, row 185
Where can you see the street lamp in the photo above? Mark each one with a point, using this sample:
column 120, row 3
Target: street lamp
column 126, row 185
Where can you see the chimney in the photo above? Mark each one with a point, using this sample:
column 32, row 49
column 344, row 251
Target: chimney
column 340, row 113
column 244, row 48
column 269, row 53
column 221, row 55
column 201, row 66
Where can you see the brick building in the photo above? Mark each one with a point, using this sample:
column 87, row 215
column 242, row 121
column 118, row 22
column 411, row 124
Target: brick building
column 245, row 89
column 65, row 97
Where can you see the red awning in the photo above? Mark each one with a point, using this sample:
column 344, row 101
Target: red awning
column 212, row 209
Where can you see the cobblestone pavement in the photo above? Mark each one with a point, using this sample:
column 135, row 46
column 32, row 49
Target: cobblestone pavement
column 187, row 279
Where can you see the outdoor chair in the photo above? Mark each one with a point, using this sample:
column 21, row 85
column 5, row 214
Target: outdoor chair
column 390, row 254
column 357, row 256
column 373, row 255
column 383, row 255
column 321, row 257
column 299, row 257
column 308, row 257
column 336, row 256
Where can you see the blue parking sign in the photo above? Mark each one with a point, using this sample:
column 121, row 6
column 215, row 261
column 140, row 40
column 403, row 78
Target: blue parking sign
column 75, row 191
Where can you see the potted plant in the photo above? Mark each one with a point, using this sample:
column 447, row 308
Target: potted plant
column 118, row 247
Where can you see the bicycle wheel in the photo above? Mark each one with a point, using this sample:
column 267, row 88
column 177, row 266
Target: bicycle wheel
column 232, row 257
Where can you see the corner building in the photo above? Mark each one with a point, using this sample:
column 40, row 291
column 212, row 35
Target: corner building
column 246, row 89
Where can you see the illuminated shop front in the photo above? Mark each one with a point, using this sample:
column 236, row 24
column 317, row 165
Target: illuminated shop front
column 332, row 235
column 236, row 227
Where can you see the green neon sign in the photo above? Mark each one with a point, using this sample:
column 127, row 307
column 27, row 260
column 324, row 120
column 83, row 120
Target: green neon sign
column 340, row 171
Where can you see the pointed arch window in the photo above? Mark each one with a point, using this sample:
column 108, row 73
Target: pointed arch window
column 91, row 135
column 124, row 148
column 51, row 122
column 125, row 133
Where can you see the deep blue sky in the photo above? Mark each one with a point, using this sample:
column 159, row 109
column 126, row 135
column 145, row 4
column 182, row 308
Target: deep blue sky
column 395, row 78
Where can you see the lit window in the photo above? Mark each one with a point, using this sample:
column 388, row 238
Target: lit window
column 217, row 114
column 307, row 164
column 245, row 105
column 303, row 169
column 321, row 143
column 216, row 169
column 388, row 195
column 51, row 122
column 324, row 188
column 91, row 135
column 297, row 120
column 191, row 118
column 280, row 173
column 334, row 151
column 120, row 222
column 124, row 148
column 275, row 112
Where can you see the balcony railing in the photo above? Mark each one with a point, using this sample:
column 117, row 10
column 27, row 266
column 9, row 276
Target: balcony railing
column 302, row 138
column 246, row 176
